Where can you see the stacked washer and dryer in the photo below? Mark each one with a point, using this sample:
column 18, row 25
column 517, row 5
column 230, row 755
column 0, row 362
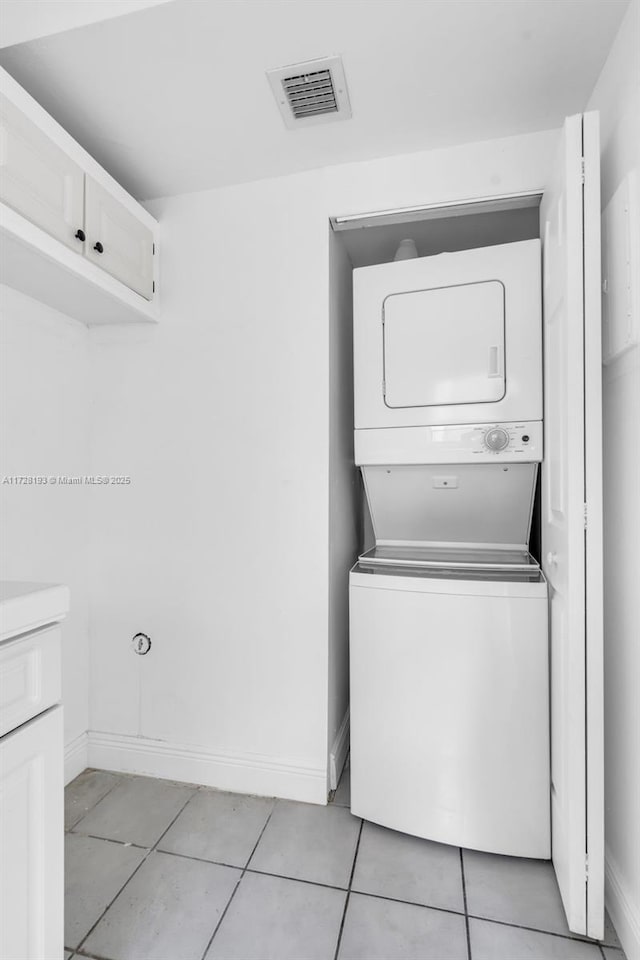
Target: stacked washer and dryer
column 448, row 609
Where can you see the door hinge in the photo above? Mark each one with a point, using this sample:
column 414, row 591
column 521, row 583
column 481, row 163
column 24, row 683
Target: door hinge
column 586, row 865
column 582, row 168
column 384, row 388
column 153, row 286
column 584, row 514
column 153, row 249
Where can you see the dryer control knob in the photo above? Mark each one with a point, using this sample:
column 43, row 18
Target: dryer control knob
column 496, row 439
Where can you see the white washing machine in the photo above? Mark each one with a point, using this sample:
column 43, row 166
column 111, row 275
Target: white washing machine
column 449, row 659
column 448, row 610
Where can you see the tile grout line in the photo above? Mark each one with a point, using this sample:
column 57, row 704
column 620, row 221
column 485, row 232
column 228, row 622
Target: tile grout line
column 260, row 873
column 118, row 843
column 255, row 846
column 572, row 938
column 466, row 909
column 348, row 896
column 408, row 903
column 190, row 856
column 94, row 805
column 89, row 956
column 128, row 880
column 237, row 886
column 283, row 876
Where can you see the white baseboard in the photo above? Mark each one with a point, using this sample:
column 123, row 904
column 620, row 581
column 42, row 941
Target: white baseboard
column 339, row 752
column 76, row 757
column 239, row 773
column 624, row 913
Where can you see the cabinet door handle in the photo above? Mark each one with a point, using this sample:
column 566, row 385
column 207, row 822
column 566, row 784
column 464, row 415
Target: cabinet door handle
column 98, row 247
column 80, row 235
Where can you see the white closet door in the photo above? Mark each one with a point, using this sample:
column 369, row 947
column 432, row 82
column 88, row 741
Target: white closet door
column 572, row 545
column 32, row 840
column 445, row 345
column 38, row 179
column 117, row 241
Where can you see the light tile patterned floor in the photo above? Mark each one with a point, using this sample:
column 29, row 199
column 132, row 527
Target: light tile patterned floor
column 168, row 871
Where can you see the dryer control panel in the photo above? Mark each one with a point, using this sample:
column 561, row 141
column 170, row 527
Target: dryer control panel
column 505, row 438
column 462, row 443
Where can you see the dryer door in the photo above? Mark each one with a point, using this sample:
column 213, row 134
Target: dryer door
column 445, row 345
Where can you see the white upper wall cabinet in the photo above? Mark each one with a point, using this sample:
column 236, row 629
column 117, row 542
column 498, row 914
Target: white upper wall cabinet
column 70, row 236
column 117, row 241
column 38, row 179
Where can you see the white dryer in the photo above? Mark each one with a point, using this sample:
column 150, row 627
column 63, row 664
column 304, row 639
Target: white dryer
column 448, row 339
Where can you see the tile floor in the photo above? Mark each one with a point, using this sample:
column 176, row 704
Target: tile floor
column 157, row 870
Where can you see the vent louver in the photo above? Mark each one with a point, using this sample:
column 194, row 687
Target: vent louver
column 311, row 92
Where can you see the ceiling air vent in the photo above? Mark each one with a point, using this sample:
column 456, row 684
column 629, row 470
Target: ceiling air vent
column 311, row 92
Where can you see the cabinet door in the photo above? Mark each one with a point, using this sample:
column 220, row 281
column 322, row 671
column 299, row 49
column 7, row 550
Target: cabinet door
column 117, row 241
column 38, row 179
column 30, row 677
column 32, row 839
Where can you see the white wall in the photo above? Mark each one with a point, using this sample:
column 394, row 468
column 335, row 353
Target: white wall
column 617, row 97
column 44, row 429
column 220, row 548
column 345, row 508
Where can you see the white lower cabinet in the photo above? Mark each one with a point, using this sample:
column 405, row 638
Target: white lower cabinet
column 32, row 840
column 30, row 676
column 38, row 179
column 117, row 241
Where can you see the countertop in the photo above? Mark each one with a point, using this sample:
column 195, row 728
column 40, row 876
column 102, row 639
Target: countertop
column 25, row 606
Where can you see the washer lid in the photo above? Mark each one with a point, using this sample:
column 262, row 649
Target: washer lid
column 481, row 504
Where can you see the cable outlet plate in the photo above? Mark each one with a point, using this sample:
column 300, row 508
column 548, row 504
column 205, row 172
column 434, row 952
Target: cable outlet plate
column 141, row 644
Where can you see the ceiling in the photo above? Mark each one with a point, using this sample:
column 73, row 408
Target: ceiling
column 173, row 98
column 22, row 20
